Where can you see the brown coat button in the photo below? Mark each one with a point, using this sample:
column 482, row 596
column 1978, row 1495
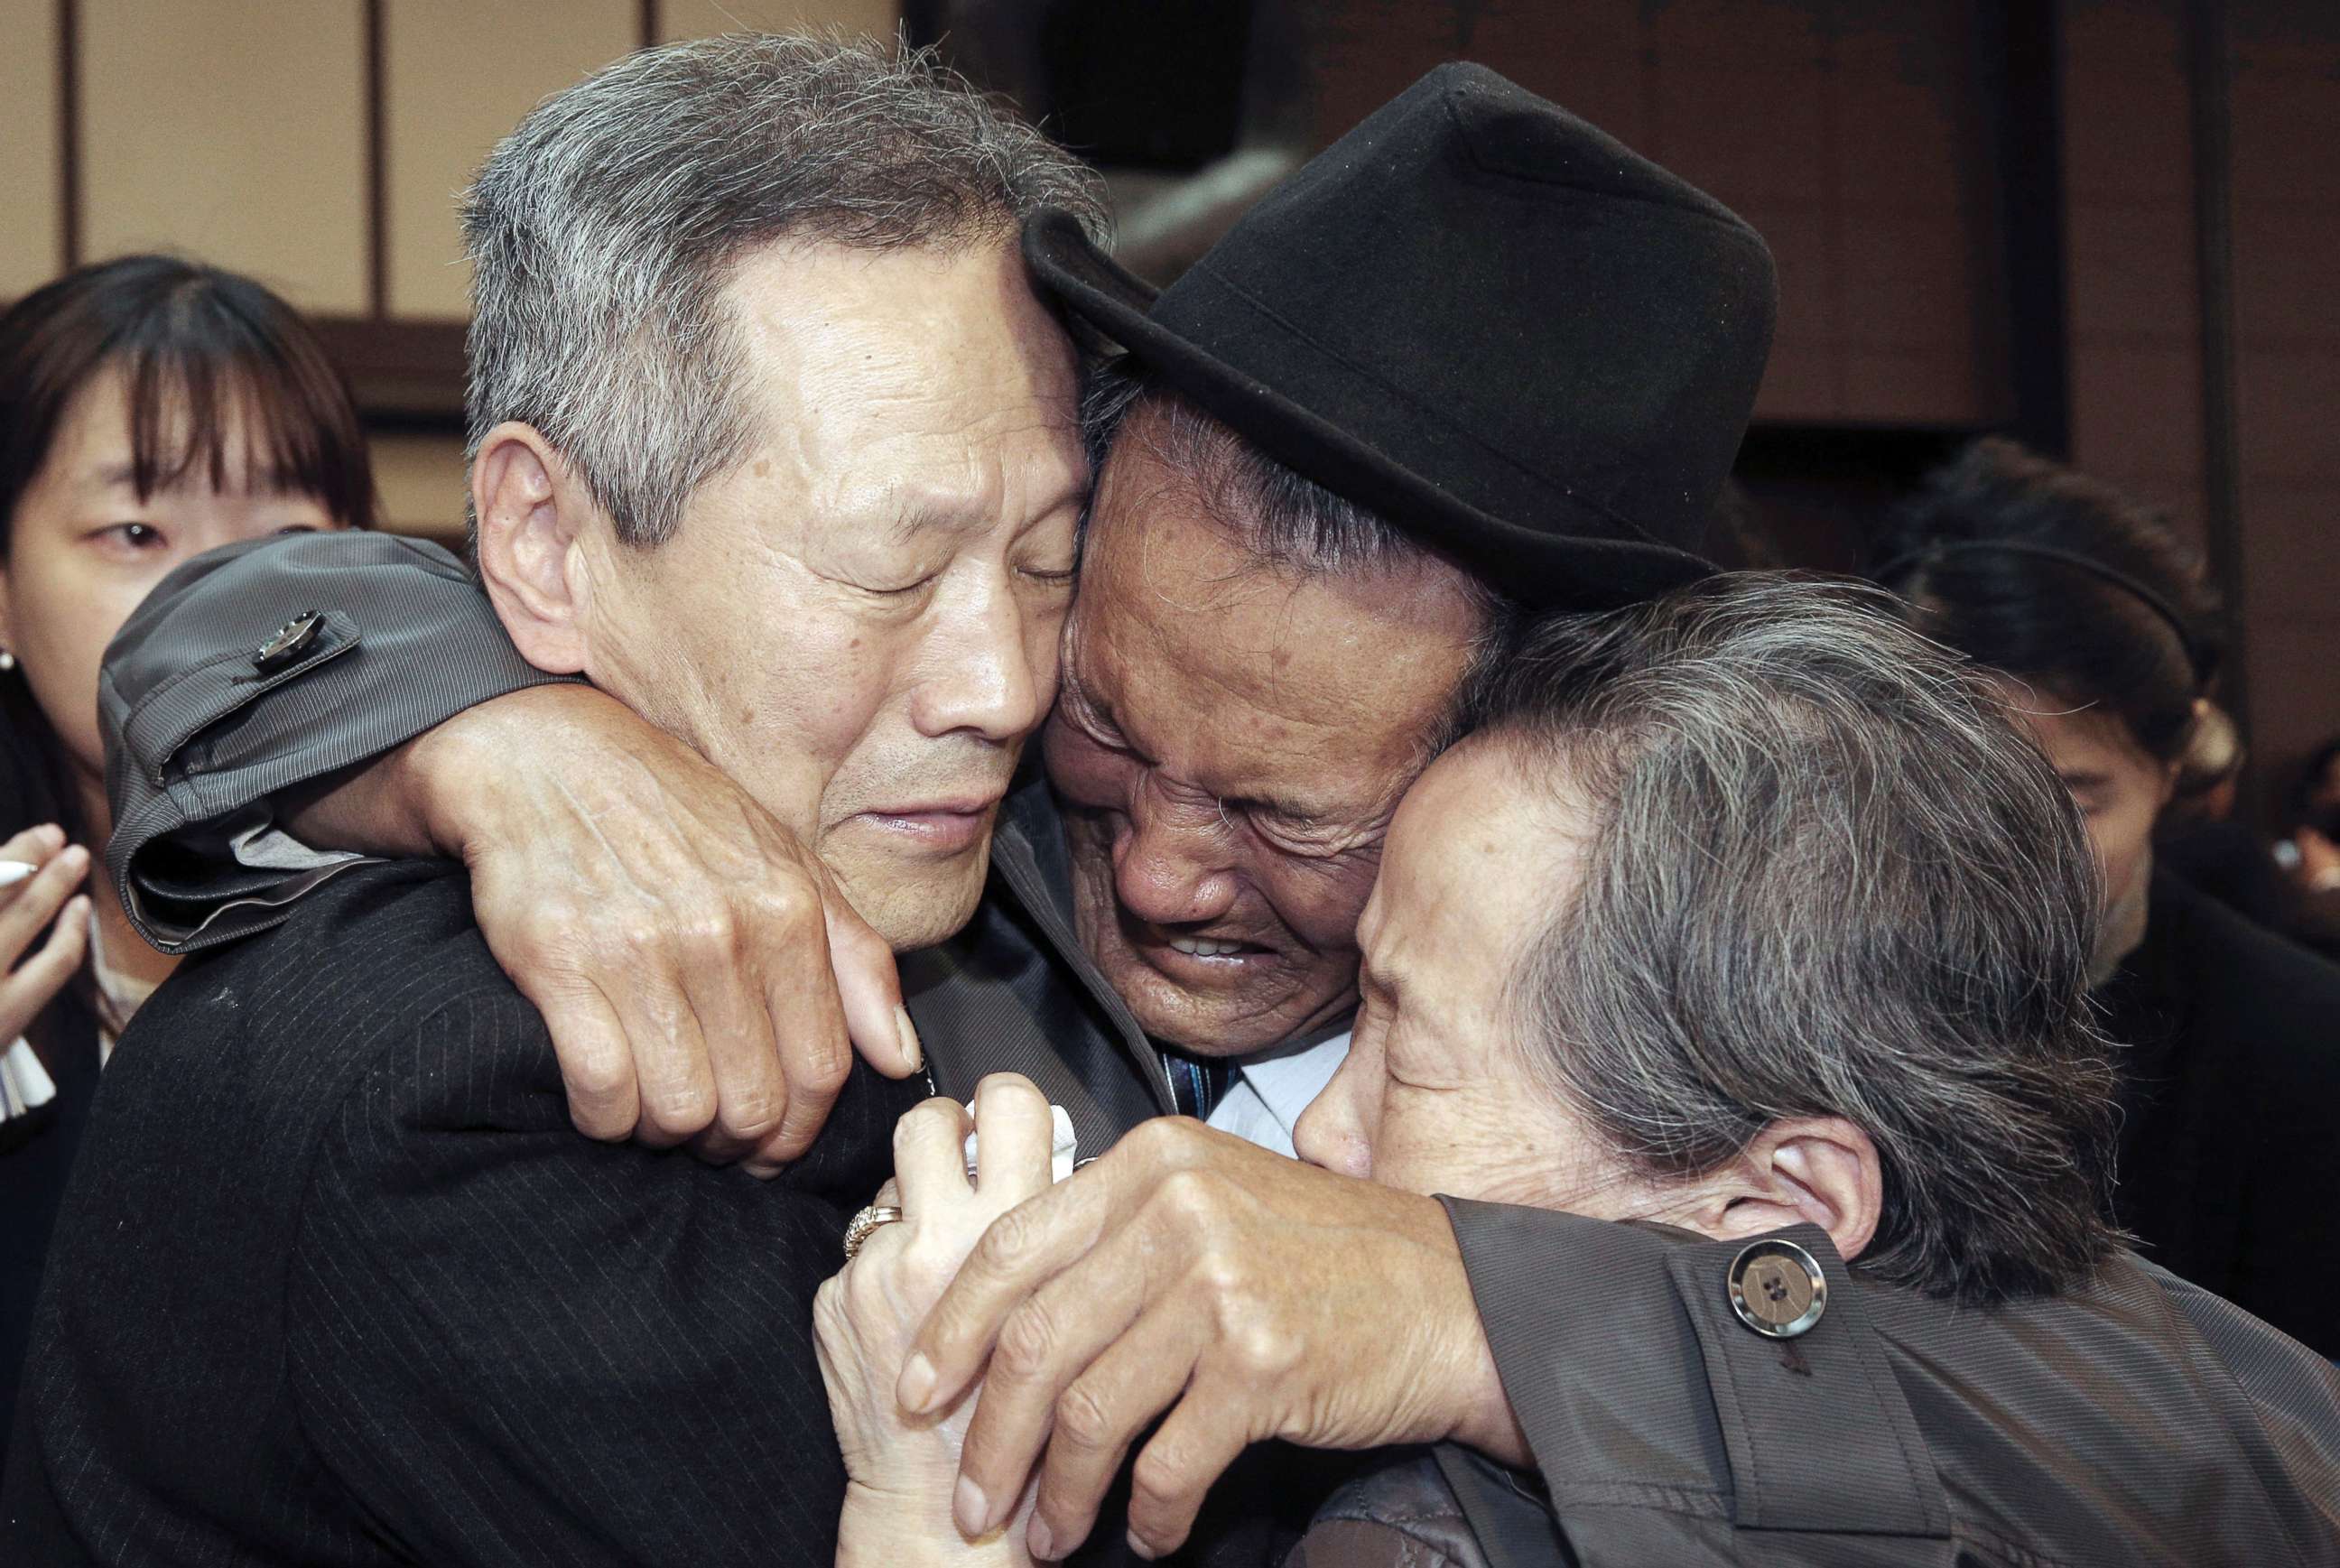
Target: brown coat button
column 1777, row 1288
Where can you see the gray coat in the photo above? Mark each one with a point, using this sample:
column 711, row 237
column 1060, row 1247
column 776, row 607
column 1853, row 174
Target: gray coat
column 2140, row 1420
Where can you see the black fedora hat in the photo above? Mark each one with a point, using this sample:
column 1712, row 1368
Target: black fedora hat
column 1481, row 318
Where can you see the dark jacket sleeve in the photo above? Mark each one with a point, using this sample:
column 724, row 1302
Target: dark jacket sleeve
column 202, row 730
column 2273, row 1007
column 1660, row 1424
column 512, row 1345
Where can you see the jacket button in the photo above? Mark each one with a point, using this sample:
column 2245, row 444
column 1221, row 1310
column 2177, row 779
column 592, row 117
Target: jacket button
column 1777, row 1288
column 292, row 640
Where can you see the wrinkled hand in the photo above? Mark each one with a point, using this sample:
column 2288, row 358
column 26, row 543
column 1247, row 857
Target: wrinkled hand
column 902, row 1469
column 1249, row 1295
column 26, row 907
column 703, row 979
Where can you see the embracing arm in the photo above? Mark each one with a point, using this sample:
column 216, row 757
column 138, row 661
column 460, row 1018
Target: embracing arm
column 274, row 708
column 1665, row 1429
column 1250, row 1297
column 212, row 720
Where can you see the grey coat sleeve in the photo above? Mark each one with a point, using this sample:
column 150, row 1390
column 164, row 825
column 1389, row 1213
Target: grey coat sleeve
column 204, row 733
column 1663, row 1427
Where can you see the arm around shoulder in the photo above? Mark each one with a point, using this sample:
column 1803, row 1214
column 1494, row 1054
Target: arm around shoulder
column 1656, row 1413
column 260, row 669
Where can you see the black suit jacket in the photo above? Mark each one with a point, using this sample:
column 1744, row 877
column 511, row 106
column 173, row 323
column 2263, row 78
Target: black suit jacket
column 2230, row 1147
column 338, row 1282
column 36, row 1155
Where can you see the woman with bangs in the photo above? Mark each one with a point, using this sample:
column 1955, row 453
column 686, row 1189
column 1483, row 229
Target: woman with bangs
column 151, row 408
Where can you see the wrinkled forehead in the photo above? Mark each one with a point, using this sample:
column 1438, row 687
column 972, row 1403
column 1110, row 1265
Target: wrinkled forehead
column 908, row 366
column 1482, row 848
column 1214, row 661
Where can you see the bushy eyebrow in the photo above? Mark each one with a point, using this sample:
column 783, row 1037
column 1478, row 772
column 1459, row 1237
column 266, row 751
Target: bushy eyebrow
column 916, row 520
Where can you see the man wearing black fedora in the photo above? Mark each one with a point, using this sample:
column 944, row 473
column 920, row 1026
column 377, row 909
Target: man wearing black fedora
column 1476, row 361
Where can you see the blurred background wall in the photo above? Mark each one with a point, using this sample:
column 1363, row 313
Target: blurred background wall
column 2105, row 227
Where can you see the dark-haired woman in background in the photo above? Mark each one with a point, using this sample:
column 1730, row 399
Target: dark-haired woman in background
column 2100, row 630
column 150, row 409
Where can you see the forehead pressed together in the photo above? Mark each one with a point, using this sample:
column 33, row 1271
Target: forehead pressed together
column 1704, row 868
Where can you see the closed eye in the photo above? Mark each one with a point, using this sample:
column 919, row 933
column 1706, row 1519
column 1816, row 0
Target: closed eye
column 904, row 591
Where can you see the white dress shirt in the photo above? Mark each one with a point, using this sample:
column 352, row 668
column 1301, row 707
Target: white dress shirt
column 1263, row 1103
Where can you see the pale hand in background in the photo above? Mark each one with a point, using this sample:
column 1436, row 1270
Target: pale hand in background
column 2319, row 861
column 30, row 979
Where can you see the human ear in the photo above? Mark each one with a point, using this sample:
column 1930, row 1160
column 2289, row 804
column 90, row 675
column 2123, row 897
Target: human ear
column 532, row 515
column 1817, row 1170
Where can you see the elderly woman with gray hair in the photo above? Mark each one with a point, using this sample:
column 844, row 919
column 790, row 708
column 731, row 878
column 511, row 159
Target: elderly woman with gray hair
column 1746, row 925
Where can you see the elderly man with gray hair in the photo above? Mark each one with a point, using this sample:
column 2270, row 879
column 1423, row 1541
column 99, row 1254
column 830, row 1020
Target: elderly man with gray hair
column 755, row 361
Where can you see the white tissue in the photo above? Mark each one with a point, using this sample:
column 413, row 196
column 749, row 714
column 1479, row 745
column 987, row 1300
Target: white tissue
column 1062, row 1144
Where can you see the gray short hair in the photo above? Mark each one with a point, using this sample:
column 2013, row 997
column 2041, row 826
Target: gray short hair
column 603, row 229
column 1826, row 875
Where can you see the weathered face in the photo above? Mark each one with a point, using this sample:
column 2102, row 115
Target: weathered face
column 858, row 622
column 1437, row 1094
column 2120, row 788
column 83, row 549
column 1230, row 748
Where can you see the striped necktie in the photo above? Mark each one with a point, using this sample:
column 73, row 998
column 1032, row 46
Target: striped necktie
column 1196, row 1083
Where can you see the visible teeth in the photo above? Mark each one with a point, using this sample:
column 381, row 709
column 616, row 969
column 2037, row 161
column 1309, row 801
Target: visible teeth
column 1203, row 948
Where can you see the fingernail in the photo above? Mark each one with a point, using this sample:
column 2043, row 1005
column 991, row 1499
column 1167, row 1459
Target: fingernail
column 1043, row 1544
column 50, row 834
column 916, row 1388
column 971, row 1509
column 1139, row 1548
column 75, row 855
column 911, row 1052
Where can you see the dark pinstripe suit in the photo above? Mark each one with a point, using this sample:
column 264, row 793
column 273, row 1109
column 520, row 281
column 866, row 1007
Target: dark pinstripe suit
column 338, row 1282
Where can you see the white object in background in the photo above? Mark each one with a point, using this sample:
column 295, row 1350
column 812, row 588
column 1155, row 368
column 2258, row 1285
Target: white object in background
column 1063, row 1144
column 15, row 871
column 25, row 1084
